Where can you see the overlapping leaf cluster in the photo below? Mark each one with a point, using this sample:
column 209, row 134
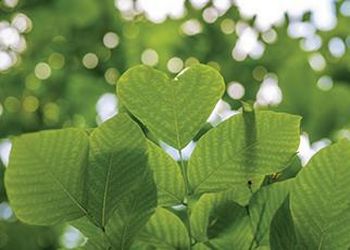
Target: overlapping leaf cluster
column 236, row 191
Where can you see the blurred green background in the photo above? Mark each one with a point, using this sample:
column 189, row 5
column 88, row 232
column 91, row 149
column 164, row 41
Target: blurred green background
column 60, row 61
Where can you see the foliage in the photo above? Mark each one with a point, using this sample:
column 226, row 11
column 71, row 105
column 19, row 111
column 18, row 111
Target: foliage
column 313, row 82
column 122, row 191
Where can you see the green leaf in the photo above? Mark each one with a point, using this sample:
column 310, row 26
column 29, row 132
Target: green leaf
column 132, row 213
column 173, row 110
column 288, row 173
column 201, row 246
column 17, row 236
column 241, row 151
column 282, row 232
column 239, row 235
column 117, row 161
column 262, row 208
column 3, row 196
column 45, row 178
column 319, row 199
column 138, row 245
column 97, row 240
column 217, row 221
column 168, row 177
column 165, row 231
column 203, row 210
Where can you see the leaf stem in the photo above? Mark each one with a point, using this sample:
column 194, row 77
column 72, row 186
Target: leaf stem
column 185, row 202
column 184, row 173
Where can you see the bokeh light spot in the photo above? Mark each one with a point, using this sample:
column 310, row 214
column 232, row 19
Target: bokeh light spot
column 175, row 65
column 227, row 26
column 158, row 10
column 22, row 23
column 345, row 8
column 51, row 113
column 215, row 65
column 12, row 104
column 111, row 76
column 199, row 4
column 259, row 73
column 210, row 15
column 56, row 60
column 5, row 61
column 9, row 36
column 5, row 211
column 42, row 71
column 111, row 40
column 191, row 27
column 269, row 93
column 30, row 103
column 32, row 82
column 90, row 60
column 235, row 90
column 317, row 62
column 149, row 57
column 269, row 36
column 10, row 3
column 325, row 83
column 336, row 47
column 191, row 61
column 311, row 43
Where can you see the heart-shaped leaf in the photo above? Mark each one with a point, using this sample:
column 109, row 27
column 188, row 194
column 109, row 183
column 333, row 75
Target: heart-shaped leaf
column 173, row 110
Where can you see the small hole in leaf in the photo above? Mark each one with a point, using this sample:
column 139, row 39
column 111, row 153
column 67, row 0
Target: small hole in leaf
column 250, row 183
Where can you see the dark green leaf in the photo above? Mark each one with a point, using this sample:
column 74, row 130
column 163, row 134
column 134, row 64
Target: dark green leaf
column 117, row 162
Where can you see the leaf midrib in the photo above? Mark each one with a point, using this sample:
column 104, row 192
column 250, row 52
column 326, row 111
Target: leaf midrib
column 126, row 227
column 241, row 150
column 231, row 156
column 175, row 114
column 169, row 193
column 106, row 188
